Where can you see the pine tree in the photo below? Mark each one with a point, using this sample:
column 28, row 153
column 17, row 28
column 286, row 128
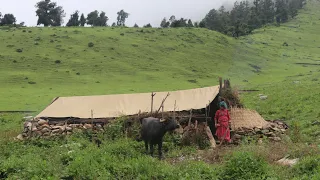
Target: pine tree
column 82, row 20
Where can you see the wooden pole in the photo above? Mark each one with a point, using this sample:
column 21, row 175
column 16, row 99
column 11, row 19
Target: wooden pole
column 152, row 95
column 163, row 102
column 196, row 127
column 92, row 118
column 206, row 115
column 31, row 134
column 211, row 138
column 92, row 122
column 220, row 83
column 189, row 123
column 174, row 110
column 162, row 111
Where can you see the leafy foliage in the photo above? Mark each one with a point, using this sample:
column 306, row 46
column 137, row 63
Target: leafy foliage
column 74, row 19
column 49, row 13
column 307, row 168
column 8, row 19
column 147, row 25
column 246, row 16
column 245, row 165
column 122, row 16
column 94, row 19
column 82, row 20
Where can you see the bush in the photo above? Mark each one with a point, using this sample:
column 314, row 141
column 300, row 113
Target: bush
column 114, row 130
column 32, row 82
column 19, row 50
column 244, row 165
column 307, row 168
column 90, row 44
column 57, row 61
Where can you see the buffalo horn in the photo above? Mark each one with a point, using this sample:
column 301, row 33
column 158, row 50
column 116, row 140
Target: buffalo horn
column 162, row 120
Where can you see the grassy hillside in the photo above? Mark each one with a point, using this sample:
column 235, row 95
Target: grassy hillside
column 128, row 60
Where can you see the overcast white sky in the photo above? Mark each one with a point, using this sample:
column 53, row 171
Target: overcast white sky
column 141, row 11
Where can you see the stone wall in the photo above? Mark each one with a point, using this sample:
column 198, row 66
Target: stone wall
column 41, row 128
column 273, row 131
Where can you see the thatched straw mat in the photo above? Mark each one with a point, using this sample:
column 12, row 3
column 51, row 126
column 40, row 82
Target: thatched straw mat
column 245, row 118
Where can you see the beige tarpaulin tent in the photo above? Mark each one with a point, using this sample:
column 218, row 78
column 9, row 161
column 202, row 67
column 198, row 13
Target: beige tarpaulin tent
column 110, row 106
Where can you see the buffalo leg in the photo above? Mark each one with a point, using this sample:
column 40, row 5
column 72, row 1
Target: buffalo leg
column 151, row 149
column 160, row 150
column 146, row 146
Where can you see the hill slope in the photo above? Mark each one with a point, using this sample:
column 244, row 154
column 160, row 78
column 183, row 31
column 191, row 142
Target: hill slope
column 127, row 60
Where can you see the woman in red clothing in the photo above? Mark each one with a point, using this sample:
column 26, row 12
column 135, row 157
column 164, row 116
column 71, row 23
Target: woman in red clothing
column 222, row 120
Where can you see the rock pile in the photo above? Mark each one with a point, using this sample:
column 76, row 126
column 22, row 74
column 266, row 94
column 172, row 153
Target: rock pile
column 41, row 128
column 272, row 131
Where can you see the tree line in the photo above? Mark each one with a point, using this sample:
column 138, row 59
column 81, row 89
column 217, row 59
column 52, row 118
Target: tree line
column 242, row 19
column 245, row 17
column 50, row 14
column 175, row 23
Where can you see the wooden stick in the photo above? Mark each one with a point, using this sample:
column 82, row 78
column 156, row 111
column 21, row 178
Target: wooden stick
column 196, row 127
column 220, row 83
column 163, row 102
column 31, row 133
column 224, row 136
column 92, row 118
column 162, row 111
column 206, row 115
column 211, row 138
column 152, row 95
column 189, row 123
column 174, row 110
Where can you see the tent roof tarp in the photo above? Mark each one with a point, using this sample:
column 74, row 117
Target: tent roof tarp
column 110, row 106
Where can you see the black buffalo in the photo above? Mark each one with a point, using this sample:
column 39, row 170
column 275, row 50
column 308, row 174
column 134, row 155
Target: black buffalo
column 153, row 130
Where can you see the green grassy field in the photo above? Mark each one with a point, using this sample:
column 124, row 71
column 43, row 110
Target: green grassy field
column 130, row 60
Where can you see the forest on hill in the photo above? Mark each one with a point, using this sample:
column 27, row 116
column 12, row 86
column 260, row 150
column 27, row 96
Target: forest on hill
column 242, row 19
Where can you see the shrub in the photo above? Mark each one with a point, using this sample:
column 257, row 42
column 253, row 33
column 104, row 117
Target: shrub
column 19, row 50
column 32, row 82
column 90, row 44
column 307, row 168
column 114, row 130
column 57, row 61
column 244, row 165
